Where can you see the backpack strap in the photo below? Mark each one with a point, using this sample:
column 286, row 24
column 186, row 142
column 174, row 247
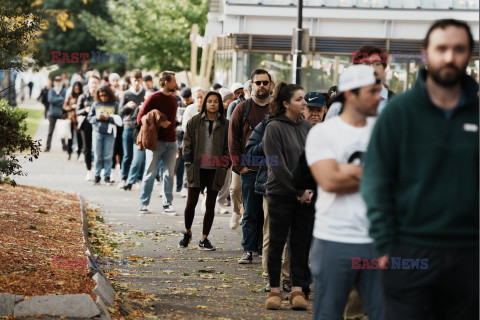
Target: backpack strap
column 246, row 111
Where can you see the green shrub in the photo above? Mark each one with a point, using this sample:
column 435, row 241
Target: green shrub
column 14, row 140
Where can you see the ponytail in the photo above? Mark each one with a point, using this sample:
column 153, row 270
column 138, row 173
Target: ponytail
column 283, row 92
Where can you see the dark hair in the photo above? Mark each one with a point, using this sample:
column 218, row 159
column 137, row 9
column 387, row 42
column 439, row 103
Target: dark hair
column 444, row 23
column 369, row 50
column 77, row 84
column 136, row 74
column 147, row 78
column 331, row 90
column 260, row 71
column 165, row 76
column 108, row 91
column 326, row 97
column 220, row 106
column 283, row 92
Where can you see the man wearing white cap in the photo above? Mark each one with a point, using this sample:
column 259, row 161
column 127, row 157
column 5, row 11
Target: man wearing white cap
column 237, row 89
column 334, row 151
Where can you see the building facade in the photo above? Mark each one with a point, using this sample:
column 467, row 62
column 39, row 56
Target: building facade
column 258, row 34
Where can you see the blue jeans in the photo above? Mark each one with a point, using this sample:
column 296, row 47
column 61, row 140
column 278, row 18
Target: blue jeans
column 127, row 142
column 137, row 166
column 166, row 152
column 333, row 279
column 180, row 170
column 103, row 152
column 252, row 221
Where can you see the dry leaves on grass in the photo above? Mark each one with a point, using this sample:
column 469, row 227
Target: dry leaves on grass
column 41, row 243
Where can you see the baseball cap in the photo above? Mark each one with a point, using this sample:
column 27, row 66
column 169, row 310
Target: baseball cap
column 315, row 99
column 226, row 93
column 236, row 86
column 356, row 76
column 186, row 93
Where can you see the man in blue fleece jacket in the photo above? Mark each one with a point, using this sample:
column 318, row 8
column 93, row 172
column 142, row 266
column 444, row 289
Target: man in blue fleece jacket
column 420, row 185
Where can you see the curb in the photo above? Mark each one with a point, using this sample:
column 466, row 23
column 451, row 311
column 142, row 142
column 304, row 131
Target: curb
column 68, row 305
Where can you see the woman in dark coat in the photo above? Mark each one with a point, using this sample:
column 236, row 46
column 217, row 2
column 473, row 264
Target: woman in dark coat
column 206, row 156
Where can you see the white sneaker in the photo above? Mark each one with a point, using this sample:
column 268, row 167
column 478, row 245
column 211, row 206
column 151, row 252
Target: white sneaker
column 121, row 184
column 204, row 204
column 235, row 221
column 184, row 193
column 89, row 176
column 168, row 209
column 80, row 157
column 137, row 185
column 144, row 209
column 222, row 209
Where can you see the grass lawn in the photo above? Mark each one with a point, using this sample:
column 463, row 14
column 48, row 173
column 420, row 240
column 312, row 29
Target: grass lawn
column 33, row 120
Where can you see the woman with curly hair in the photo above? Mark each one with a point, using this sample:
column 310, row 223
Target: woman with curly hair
column 104, row 119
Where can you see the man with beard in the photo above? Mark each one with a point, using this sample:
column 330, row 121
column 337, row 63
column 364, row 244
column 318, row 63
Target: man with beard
column 420, row 185
column 165, row 102
column 246, row 116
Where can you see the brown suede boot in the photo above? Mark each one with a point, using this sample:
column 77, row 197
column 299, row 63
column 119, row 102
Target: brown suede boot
column 297, row 300
column 274, row 301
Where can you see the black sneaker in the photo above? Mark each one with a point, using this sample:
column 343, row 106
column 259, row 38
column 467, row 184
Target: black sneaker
column 246, row 258
column 186, row 240
column 206, row 245
column 97, row 180
column 108, row 181
column 267, row 287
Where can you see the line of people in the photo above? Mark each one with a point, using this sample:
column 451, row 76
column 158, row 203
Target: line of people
column 382, row 177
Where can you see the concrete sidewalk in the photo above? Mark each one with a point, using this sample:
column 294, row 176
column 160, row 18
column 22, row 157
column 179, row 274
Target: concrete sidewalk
column 186, row 283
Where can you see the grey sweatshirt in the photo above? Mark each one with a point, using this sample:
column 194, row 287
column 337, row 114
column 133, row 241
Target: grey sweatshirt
column 127, row 113
column 284, row 139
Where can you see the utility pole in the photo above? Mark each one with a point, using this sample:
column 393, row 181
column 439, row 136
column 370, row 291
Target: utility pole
column 297, row 56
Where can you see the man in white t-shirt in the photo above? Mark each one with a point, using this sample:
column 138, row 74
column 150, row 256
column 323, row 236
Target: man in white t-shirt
column 334, row 151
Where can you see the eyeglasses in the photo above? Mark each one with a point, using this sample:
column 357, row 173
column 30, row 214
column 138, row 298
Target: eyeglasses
column 262, row 82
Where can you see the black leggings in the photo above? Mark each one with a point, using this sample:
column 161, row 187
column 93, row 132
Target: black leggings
column 70, row 141
column 207, row 177
column 288, row 218
column 87, row 143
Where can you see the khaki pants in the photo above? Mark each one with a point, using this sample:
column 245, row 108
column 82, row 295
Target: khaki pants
column 223, row 194
column 266, row 238
column 236, row 194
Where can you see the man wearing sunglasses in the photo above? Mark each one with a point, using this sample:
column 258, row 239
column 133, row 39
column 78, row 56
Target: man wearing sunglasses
column 246, row 116
column 376, row 58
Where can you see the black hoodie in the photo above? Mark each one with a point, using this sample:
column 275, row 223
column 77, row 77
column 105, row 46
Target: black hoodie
column 284, row 139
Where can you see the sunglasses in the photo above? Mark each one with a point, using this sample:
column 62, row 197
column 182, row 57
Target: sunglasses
column 262, row 82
